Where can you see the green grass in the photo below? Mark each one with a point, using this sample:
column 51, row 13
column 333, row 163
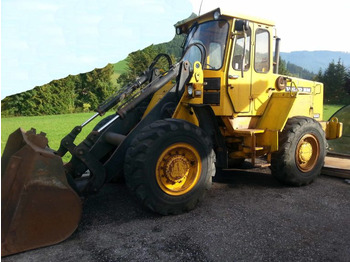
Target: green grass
column 55, row 127
column 329, row 110
column 120, row 67
column 115, row 77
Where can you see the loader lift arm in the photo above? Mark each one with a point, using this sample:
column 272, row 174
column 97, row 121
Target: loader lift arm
column 67, row 141
column 84, row 156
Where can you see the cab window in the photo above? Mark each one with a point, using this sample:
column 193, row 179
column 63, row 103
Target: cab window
column 262, row 53
column 208, row 38
column 238, row 52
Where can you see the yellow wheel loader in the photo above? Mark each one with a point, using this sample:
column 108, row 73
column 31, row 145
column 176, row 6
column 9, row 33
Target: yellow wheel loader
column 222, row 103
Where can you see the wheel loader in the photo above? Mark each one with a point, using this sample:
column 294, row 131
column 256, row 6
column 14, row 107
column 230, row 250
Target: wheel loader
column 222, row 103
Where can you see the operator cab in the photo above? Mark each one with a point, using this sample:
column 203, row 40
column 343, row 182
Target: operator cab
column 237, row 60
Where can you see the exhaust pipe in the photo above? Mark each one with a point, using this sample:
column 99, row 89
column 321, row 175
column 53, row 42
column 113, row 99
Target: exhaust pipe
column 277, row 55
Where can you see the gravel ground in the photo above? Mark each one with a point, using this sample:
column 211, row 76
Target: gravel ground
column 248, row 216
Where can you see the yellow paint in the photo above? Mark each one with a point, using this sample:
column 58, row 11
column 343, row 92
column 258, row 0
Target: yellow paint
column 252, row 109
column 333, row 128
column 277, row 111
column 183, row 109
column 196, row 82
column 305, row 152
column 178, row 169
column 185, row 112
column 158, row 96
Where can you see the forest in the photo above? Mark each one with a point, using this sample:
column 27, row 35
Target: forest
column 72, row 94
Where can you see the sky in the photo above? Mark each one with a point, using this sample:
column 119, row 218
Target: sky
column 43, row 40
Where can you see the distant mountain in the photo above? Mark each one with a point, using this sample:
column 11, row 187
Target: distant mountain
column 315, row 60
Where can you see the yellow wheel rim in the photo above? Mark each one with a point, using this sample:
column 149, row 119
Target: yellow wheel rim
column 307, row 153
column 178, row 169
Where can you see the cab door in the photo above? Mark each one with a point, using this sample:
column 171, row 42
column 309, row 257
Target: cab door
column 239, row 86
column 262, row 76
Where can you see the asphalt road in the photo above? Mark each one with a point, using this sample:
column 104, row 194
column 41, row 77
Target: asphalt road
column 246, row 217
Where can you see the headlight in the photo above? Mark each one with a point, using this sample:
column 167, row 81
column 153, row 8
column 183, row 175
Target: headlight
column 190, row 90
column 217, row 15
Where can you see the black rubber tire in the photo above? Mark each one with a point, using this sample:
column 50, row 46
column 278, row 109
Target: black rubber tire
column 284, row 165
column 141, row 161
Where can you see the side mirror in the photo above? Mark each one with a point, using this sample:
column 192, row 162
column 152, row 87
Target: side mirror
column 241, row 25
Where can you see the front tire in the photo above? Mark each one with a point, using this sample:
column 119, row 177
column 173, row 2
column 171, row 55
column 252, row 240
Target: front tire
column 301, row 153
column 169, row 166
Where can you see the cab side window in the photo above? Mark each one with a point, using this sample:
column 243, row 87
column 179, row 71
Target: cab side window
column 214, row 60
column 262, row 53
column 238, row 52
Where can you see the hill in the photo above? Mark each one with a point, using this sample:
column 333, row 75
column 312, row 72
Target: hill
column 313, row 61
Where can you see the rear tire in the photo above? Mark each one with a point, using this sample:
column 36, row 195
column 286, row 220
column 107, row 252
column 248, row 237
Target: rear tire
column 169, row 166
column 301, row 153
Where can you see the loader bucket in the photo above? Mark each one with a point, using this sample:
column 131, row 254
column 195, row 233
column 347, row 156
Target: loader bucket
column 38, row 207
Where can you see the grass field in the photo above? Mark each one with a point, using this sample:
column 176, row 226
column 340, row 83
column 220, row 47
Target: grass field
column 57, row 126
column 119, row 68
column 329, row 110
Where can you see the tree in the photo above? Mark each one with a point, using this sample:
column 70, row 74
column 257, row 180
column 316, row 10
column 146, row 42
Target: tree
column 300, row 72
column 140, row 60
column 282, row 68
column 336, row 83
column 96, row 86
column 347, row 81
column 66, row 95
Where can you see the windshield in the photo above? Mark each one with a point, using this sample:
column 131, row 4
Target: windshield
column 207, row 39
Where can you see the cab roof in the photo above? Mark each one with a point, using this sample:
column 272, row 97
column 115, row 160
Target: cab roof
column 186, row 25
